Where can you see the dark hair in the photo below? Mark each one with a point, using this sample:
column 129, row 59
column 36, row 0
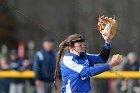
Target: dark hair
column 69, row 41
column 13, row 52
column 47, row 39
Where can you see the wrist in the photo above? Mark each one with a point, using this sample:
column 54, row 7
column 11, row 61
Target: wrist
column 107, row 41
column 111, row 65
column 107, row 45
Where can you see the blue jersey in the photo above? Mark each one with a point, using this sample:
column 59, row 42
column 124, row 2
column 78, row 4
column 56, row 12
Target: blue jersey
column 76, row 71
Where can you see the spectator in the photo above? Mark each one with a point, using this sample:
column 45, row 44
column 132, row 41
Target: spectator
column 4, row 82
column 44, row 67
column 28, row 66
column 15, row 63
column 116, row 84
column 131, row 65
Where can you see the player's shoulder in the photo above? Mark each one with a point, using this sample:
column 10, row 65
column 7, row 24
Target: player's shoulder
column 71, row 63
column 92, row 55
column 68, row 58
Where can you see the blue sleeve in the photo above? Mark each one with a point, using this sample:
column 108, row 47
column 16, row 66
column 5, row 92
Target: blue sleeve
column 92, row 71
column 36, row 67
column 95, row 59
column 107, row 46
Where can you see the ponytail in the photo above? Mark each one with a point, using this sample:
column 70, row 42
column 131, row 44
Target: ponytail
column 59, row 55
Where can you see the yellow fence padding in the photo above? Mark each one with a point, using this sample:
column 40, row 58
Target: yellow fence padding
column 108, row 74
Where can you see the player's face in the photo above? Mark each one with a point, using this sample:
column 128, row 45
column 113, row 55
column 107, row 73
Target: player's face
column 80, row 46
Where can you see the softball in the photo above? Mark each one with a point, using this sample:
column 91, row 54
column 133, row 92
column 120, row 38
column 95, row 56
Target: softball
column 117, row 56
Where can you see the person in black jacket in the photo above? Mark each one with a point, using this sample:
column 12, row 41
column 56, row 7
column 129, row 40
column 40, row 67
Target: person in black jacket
column 44, row 66
column 16, row 64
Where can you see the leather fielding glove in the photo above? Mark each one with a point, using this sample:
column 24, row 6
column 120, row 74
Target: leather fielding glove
column 107, row 27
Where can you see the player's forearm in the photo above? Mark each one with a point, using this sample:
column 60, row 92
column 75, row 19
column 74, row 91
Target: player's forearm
column 92, row 71
column 104, row 54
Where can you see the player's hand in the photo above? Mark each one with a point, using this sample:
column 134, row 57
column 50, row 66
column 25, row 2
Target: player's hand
column 116, row 60
column 107, row 40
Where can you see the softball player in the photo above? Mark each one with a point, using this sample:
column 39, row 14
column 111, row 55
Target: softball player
column 77, row 66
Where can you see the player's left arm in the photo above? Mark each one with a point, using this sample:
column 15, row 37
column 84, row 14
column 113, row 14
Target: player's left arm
column 104, row 54
column 107, row 27
column 102, row 57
